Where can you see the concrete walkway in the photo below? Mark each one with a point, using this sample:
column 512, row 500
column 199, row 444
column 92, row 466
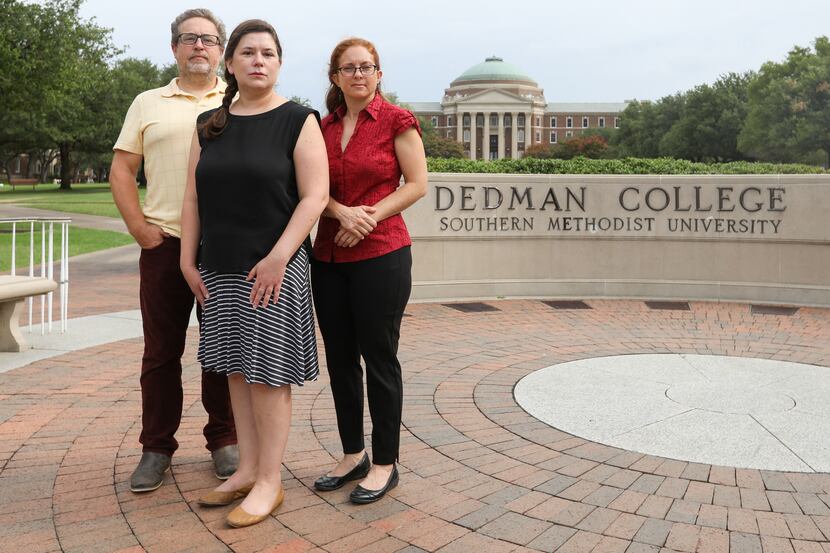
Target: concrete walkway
column 78, row 219
column 478, row 473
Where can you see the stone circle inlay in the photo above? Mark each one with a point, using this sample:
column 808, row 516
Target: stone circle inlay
column 743, row 412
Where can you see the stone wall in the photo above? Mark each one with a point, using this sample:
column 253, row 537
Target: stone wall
column 729, row 238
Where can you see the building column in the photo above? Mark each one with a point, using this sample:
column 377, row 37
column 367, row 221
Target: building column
column 485, row 148
column 514, row 135
column 528, row 136
column 501, row 135
column 473, row 133
column 459, row 125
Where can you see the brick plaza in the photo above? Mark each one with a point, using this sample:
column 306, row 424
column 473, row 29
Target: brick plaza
column 478, row 474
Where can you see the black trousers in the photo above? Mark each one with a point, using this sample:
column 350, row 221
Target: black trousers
column 359, row 308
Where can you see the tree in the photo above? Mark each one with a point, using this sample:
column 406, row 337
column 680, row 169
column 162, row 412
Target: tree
column 644, row 123
column 710, row 120
column 392, row 98
column 126, row 79
column 436, row 145
column 80, row 54
column 591, row 146
column 541, row 151
column 167, row 73
column 302, row 101
column 24, row 79
column 588, row 145
column 53, row 65
column 789, row 107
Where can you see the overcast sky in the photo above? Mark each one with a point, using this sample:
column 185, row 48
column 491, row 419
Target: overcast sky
column 589, row 50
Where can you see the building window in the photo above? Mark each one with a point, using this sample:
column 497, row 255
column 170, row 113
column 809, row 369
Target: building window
column 538, row 121
column 17, row 165
column 584, row 122
column 616, row 122
column 553, row 137
column 520, row 136
column 602, row 122
column 569, row 122
column 494, row 119
column 508, row 120
column 568, row 134
column 449, row 120
column 538, row 137
column 448, row 134
column 466, row 135
column 466, row 119
column 520, row 120
column 434, row 120
column 553, row 122
column 479, row 120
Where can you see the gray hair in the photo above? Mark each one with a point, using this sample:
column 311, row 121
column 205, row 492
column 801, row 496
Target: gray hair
column 198, row 12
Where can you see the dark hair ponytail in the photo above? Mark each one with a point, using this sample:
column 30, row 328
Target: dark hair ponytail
column 217, row 122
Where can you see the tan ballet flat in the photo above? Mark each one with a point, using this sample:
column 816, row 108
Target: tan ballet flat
column 239, row 518
column 220, row 499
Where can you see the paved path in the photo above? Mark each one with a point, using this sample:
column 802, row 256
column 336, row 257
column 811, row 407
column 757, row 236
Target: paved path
column 80, row 220
column 478, row 473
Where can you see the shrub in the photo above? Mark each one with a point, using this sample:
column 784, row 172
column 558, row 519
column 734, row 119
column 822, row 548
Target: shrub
column 625, row 166
column 592, row 146
column 541, row 151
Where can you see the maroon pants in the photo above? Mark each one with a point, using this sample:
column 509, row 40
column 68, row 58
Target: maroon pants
column 166, row 302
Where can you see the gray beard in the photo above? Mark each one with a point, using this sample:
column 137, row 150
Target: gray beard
column 197, row 68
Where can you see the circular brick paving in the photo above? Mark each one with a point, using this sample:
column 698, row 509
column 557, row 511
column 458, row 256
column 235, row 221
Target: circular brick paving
column 478, row 473
column 743, row 412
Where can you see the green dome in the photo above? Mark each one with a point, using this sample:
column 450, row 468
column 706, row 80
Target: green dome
column 493, row 69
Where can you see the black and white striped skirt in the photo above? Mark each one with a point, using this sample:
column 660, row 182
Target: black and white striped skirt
column 273, row 345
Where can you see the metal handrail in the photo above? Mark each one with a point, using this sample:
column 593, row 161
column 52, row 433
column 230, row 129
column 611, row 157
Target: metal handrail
column 46, row 262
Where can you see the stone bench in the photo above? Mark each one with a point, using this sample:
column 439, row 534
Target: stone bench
column 13, row 290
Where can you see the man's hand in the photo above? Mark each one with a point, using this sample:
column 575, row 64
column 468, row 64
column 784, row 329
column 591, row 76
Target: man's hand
column 148, row 235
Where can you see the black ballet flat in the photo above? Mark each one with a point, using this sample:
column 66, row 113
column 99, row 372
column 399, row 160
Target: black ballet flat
column 362, row 496
column 330, row 483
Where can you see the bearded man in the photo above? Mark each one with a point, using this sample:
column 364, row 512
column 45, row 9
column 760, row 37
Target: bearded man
column 158, row 129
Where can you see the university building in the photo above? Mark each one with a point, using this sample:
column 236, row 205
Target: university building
column 496, row 111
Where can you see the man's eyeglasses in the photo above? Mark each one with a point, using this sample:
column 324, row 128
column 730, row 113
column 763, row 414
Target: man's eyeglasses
column 365, row 70
column 191, row 38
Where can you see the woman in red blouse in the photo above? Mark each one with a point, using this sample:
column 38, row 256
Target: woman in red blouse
column 361, row 271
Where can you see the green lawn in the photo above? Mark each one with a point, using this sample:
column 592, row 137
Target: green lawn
column 89, row 199
column 81, row 240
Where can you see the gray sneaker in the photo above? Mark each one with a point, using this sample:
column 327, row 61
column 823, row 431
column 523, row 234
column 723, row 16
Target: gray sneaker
column 149, row 474
column 225, row 461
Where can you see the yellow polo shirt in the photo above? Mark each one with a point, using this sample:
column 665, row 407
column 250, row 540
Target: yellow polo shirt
column 159, row 126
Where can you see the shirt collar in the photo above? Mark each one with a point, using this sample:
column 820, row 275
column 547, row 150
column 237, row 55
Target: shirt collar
column 372, row 109
column 172, row 89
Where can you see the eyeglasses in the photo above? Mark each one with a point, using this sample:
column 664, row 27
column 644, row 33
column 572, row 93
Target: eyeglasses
column 191, row 38
column 365, row 70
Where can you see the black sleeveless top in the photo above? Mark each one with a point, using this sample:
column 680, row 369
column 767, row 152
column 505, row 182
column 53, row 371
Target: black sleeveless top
column 247, row 186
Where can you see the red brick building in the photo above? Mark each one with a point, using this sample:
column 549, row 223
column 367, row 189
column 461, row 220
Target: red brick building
column 496, row 111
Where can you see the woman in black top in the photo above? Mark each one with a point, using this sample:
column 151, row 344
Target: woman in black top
column 257, row 182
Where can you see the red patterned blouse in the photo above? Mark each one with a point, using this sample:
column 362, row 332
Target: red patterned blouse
column 365, row 173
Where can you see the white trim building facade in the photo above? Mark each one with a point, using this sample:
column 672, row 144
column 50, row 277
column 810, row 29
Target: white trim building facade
column 497, row 111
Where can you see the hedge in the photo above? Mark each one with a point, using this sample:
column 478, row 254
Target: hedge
column 624, row 166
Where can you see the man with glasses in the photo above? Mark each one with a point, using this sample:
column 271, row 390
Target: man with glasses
column 158, row 129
